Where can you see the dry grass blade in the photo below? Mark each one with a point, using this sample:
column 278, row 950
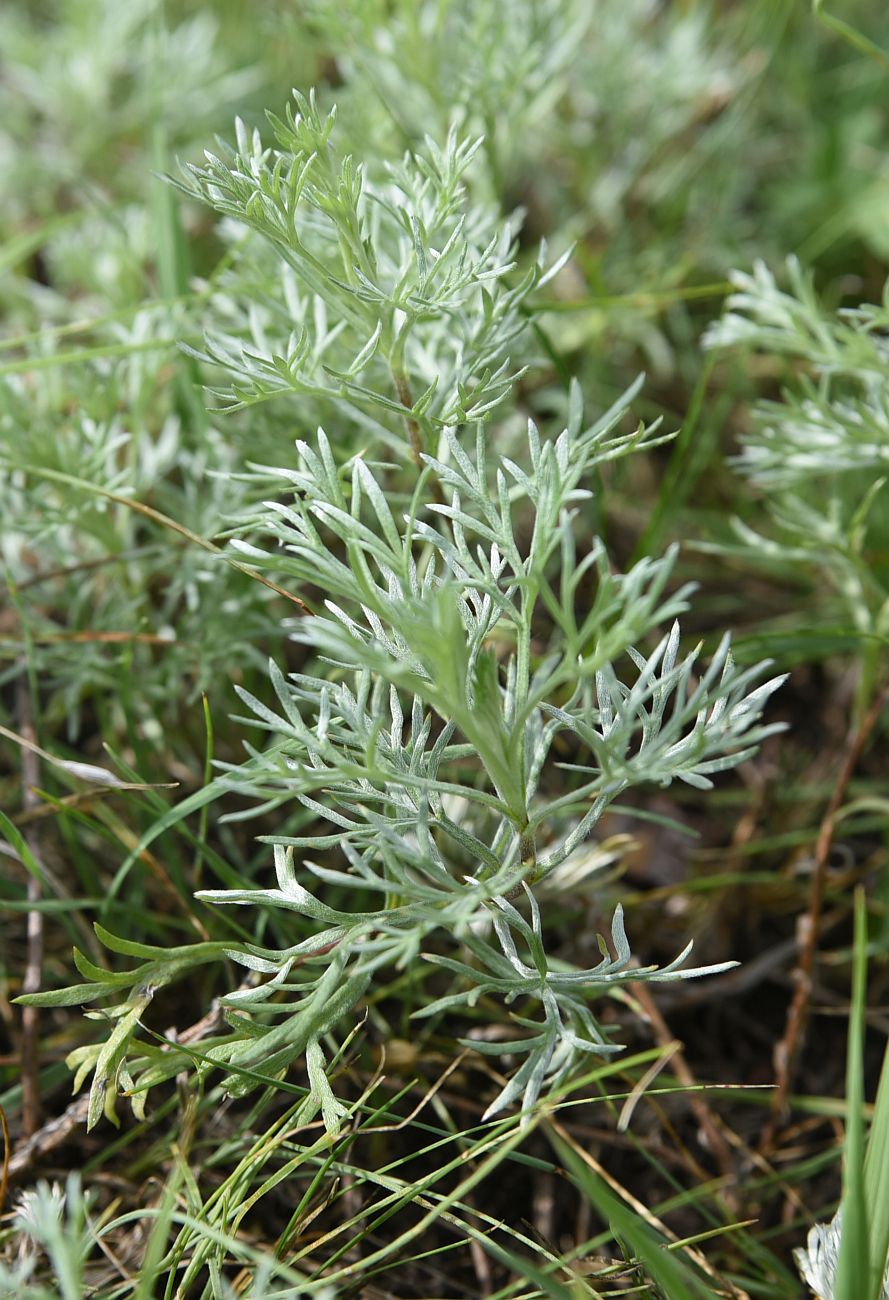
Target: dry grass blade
column 788, row 1049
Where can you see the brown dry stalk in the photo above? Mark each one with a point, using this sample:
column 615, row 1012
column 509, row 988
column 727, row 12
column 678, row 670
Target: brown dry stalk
column 53, row 1133
column 415, row 437
column 697, row 1102
column 140, row 507
column 787, row 1051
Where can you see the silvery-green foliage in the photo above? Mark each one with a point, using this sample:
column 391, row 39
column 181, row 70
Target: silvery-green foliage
column 499, row 70
column 420, row 711
column 121, row 66
column 819, row 455
column 129, row 421
column 818, row 1260
column 59, row 1251
column 428, row 685
column 401, row 303
column 411, row 750
column 638, row 54
column 639, row 96
column 52, row 1221
column 95, row 572
column 90, row 399
column 418, row 717
column 836, row 417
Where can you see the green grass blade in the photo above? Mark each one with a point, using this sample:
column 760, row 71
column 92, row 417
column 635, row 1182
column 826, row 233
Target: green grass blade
column 853, row 1267
column 876, row 1179
column 675, row 1278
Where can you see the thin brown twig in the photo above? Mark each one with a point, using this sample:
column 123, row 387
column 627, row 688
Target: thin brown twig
column 52, row 1134
column 83, row 799
column 142, row 508
column 787, row 1051
column 424, row 1100
column 82, row 566
column 640, row 1207
column 715, row 1140
column 415, row 437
